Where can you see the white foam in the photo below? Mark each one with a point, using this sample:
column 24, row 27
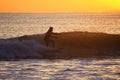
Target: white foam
column 21, row 49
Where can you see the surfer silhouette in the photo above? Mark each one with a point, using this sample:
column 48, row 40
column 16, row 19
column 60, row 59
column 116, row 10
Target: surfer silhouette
column 49, row 37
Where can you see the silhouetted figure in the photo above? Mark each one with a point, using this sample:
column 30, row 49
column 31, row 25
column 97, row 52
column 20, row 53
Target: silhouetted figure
column 49, row 38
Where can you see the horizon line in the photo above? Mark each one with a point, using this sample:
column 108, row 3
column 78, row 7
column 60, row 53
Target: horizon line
column 60, row 12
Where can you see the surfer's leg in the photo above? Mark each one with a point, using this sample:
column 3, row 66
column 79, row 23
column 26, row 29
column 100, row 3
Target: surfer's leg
column 47, row 43
column 52, row 43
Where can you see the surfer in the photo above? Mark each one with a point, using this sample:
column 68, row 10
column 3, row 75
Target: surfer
column 49, row 37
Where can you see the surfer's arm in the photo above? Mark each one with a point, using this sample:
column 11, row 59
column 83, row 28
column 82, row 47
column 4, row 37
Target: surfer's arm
column 56, row 33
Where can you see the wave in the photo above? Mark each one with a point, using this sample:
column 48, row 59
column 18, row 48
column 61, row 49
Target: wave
column 24, row 47
column 68, row 45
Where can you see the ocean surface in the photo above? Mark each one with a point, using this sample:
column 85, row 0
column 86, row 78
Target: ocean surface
column 15, row 25
column 12, row 25
column 75, row 69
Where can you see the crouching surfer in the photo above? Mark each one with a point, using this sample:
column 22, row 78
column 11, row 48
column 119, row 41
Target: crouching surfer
column 50, row 37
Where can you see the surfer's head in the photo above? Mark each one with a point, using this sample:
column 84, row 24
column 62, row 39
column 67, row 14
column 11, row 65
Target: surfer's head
column 51, row 28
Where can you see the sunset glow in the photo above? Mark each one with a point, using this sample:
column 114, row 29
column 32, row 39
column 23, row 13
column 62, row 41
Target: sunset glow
column 60, row 6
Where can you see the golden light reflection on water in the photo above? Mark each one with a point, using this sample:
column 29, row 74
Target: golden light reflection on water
column 12, row 25
column 107, row 69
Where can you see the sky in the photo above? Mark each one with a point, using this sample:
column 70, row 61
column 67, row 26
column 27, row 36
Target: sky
column 53, row 6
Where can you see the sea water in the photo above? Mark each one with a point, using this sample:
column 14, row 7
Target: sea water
column 14, row 25
column 74, row 69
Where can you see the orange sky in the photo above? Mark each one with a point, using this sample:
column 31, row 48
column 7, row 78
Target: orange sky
column 59, row 6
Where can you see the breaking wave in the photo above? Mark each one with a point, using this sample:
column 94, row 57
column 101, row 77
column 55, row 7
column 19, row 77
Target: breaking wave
column 68, row 45
column 22, row 48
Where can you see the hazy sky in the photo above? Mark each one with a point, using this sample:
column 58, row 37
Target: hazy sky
column 59, row 6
